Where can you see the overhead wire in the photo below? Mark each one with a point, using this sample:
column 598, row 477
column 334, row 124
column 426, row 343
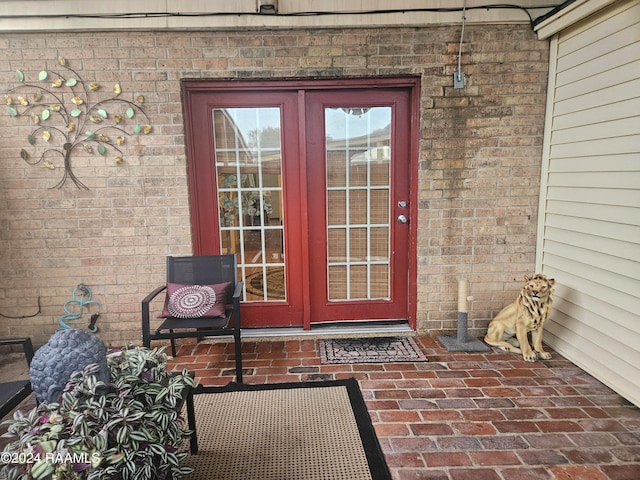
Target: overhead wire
column 526, row 10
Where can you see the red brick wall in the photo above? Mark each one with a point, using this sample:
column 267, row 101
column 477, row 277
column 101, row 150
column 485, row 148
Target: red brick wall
column 478, row 171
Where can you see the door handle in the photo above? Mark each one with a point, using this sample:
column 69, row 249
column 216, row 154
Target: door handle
column 402, row 219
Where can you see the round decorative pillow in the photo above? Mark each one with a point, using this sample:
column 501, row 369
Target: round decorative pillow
column 196, row 301
column 191, row 301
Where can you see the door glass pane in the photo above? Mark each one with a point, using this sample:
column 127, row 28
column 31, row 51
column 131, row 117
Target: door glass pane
column 249, row 177
column 358, row 159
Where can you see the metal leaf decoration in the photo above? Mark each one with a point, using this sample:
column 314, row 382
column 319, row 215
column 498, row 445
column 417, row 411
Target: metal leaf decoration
column 62, row 108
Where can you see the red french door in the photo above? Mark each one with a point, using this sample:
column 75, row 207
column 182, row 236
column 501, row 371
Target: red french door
column 243, row 161
column 308, row 184
column 358, row 190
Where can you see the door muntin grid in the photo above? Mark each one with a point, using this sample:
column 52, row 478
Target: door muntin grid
column 248, row 156
column 358, row 199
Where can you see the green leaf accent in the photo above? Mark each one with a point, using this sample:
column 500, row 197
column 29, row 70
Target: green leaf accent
column 45, row 114
column 103, row 113
column 12, row 111
column 137, row 128
column 43, row 75
column 71, row 82
column 76, row 112
column 19, row 76
column 130, row 113
column 102, row 149
column 138, row 436
column 89, row 134
column 24, row 155
column 42, row 469
column 31, row 139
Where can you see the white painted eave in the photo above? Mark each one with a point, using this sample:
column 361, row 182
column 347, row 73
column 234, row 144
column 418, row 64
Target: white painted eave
column 571, row 14
column 83, row 15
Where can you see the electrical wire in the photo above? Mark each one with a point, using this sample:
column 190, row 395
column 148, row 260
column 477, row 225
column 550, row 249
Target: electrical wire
column 507, row 6
column 464, row 9
column 25, row 316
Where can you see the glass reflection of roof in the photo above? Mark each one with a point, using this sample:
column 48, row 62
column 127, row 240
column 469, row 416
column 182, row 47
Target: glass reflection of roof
column 377, row 154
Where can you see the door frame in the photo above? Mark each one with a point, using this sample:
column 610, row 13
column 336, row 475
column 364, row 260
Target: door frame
column 203, row 229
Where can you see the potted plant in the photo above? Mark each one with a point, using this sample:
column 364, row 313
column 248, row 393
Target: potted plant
column 129, row 429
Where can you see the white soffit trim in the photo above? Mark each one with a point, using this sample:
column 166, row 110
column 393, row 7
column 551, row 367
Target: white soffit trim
column 568, row 16
column 84, row 15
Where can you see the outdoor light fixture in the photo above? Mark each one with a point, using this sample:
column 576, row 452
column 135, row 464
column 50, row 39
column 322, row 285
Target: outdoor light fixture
column 268, row 6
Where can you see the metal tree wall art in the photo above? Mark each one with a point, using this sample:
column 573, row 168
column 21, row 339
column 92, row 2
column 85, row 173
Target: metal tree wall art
column 65, row 120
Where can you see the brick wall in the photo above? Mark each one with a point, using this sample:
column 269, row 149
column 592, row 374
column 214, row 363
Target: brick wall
column 478, row 171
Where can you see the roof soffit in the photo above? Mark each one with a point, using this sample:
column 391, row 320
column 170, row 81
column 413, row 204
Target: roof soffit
column 81, row 15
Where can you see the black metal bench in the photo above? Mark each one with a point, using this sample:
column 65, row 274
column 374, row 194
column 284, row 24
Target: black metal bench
column 13, row 393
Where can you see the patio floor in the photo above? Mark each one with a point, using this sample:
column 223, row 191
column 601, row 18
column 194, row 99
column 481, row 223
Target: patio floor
column 461, row 416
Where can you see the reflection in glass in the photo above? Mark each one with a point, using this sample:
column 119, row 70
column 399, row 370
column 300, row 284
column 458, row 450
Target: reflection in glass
column 248, row 158
column 336, row 207
column 358, row 160
column 337, row 245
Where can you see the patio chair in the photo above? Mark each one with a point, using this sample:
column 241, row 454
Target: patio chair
column 202, row 299
column 14, row 392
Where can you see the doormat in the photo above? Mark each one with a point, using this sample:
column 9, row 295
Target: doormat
column 287, row 431
column 370, row 350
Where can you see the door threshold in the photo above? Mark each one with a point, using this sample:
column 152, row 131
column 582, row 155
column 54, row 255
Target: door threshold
column 326, row 330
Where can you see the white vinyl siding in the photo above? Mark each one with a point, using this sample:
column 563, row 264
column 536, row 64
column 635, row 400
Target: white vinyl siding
column 589, row 230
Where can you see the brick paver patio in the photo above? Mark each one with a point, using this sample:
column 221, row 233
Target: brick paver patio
column 462, row 416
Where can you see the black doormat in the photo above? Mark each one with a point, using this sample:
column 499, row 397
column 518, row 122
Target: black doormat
column 370, row 350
